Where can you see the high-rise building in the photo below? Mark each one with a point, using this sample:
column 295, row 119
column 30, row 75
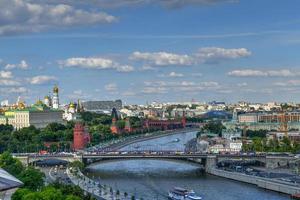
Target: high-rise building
column 55, row 99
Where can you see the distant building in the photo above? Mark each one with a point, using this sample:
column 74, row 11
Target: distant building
column 292, row 135
column 231, row 135
column 38, row 115
column 102, row 106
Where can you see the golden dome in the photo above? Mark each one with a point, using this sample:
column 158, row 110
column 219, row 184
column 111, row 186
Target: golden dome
column 39, row 102
column 46, row 97
column 71, row 105
column 55, row 89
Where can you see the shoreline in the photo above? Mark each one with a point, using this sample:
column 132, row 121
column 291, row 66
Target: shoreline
column 150, row 137
column 263, row 183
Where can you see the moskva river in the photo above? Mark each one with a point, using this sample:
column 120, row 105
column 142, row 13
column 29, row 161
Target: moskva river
column 151, row 179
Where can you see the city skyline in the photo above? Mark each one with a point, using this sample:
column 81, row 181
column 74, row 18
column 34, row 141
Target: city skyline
column 153, row 50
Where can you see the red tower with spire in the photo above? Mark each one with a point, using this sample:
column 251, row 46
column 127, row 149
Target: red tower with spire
column 81, row 137
column 114, row 128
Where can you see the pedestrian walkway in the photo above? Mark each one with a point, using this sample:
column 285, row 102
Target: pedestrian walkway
column 95, row 188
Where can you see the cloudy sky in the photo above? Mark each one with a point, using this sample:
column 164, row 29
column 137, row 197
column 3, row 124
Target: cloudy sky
column 151, row 50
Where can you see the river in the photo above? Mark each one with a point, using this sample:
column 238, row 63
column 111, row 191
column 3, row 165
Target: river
column 151, row 179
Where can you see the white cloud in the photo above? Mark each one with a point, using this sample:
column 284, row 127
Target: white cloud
column 22, row 16
column 147, row 68
column 111, row 87
column 171, row 4
column 257, row 73
column 162, row 58
column 22, row 65
column 184, row 86
column 171, row 75
column 204, row 55
column 174, row 74
column 6, row 74
column 125, row 68
column 154, row 90
column 9, row 82
column 41, row 79
column 217, row 54
column 288, row 83
column 15, row 90
column 95, row 63
column 244, row 84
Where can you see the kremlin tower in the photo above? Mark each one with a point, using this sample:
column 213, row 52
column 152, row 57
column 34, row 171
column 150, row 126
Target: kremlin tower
column 81, row 136
column 114, row 128
column 55, row 99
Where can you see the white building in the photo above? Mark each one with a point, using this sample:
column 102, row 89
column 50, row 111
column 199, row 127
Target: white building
column 55, row 99
column 39, row 115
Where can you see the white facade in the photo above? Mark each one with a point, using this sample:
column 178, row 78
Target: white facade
column 55, row 99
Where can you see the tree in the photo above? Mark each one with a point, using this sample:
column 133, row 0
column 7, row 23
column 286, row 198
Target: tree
column 50, row 193
column 76, row 164
column 32, row 178
column 72, row 197
column 10, row 164
column 18, row 195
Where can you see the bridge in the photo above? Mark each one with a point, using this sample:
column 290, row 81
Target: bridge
column 207, row 160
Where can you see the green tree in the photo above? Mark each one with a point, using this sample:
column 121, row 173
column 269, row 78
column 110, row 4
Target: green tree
column 10, row 164
column 18, row 195
column 32, row 178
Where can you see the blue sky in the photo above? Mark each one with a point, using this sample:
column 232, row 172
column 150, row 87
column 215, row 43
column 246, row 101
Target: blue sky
column 152, row 50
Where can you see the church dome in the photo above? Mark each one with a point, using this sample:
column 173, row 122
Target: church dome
column 55, row 89
column 71, row 105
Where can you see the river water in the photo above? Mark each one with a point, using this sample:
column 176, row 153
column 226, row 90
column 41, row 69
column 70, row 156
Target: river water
column 151, row 179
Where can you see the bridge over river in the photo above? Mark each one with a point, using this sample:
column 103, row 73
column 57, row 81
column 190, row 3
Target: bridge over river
column 207, row 160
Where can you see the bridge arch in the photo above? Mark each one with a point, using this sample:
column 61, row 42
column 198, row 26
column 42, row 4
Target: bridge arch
column 198, row 161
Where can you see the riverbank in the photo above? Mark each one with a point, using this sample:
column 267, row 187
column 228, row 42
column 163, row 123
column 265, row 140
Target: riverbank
column 122, row 142
column 265, row 183
column 95, row 188
column 150, row 137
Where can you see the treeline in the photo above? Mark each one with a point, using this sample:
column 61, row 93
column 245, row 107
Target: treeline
column 262, row 144
column 214, row 127
column 31, row 139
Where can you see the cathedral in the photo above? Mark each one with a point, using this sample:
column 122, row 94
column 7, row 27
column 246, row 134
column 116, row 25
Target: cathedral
column 52, row 102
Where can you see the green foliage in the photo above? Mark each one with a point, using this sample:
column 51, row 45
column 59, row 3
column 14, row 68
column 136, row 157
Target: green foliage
column 259, row 133
column 76, row 164
column 94, row 118
column 54, row 191
column 32, row 178
column 10, row 164
column 260, row 144
column 215, row 127
column 20, row 193
column 120, row 124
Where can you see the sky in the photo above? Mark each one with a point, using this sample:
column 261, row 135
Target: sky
column 150, row 50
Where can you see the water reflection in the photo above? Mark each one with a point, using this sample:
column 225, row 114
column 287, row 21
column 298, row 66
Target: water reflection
column 151, row 179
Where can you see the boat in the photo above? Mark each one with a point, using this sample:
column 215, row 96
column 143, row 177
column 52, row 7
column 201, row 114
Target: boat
column 176, row 140
column 178, row 193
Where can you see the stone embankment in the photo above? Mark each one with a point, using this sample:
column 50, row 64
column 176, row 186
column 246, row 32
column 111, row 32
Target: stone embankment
column 101, row 192
column 265, row 183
